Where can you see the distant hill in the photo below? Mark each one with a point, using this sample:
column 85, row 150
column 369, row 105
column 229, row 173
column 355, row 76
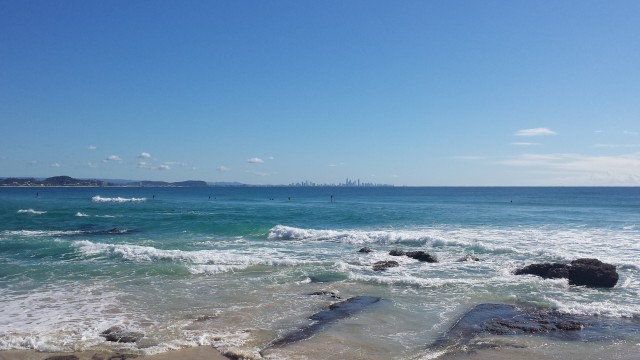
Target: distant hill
column 69, row 181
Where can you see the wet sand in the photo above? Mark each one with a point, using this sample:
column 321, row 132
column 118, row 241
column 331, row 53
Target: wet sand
column 194, row 353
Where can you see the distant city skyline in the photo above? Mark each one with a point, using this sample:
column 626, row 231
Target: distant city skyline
column 416, row 93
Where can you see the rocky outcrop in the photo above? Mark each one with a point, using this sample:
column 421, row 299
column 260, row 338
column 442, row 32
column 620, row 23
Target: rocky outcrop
column 418, row 255
column 581, row 272
column 593, row 273
column 478, row 327
column 121, row 335
column 337, row 311
column 422, row 256
column 384, row 265
column 545, row 270
column 365, row 250
column 330, row 294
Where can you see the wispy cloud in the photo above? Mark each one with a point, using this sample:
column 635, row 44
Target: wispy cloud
column 576, row 169
column 113, row 158
column 143, row 165
column 164, row 167
column 255, row 160
column 629, row 132
column 617, row 146
column 55, row 165
column 92, row 147
column 222, row 169
column 144, row 155
column 525, row 144
column 258, row 173
column 535, row 132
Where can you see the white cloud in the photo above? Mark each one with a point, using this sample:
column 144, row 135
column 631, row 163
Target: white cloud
column 114, row 158
column 535, row 132
column 270, row 158
column 144, row 155
column 222, row 168
column 55, row 165
column 255, row 160
column 33, row 162
column 164, row 167
column 92, row 147
column 629, row 132
column 143, row 165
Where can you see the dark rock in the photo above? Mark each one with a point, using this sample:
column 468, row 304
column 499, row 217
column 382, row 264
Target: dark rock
column 323, row 318
column 365, row 250
column 422, row 256
column 545, row 270
column 384, row 265
column 468, row 257
column 592, row 273
column 119, row 334
column 581, row 272
column 475, row 328
column 63, row 357
column 397, row 252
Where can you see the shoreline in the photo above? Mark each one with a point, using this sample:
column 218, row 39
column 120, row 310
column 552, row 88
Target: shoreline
column 190, row 353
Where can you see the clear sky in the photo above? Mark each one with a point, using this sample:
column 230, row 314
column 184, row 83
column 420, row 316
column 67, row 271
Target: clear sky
column 422, row 92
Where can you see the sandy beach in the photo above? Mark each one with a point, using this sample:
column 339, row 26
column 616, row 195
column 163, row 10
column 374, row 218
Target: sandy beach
column 194, row 353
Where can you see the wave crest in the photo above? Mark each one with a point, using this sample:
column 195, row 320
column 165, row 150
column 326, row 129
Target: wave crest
column 31, row 211
column 99, row 198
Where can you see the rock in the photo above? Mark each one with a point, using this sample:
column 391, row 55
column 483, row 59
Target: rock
column 384, row 265
column 422, row 256
column 581, row 272
column 545, row 270
column 397, row 252
column 468, row 257
column 365, row 250
column 592, row 273
column 119, row 334
column 478, row 327
column 323, row 318
column 63, row 357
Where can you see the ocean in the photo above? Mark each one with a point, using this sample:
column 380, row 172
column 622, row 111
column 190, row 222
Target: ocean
column 234, row 267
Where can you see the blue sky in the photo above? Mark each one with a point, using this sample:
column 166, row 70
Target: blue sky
column 274, row 92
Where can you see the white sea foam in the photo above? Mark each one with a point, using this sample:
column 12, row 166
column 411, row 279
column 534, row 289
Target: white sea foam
column 65, row 317
column 282, row 232
column 79, row 214
column 31, row 211
column 217, row 260
column 38, row 233
column 99, row 198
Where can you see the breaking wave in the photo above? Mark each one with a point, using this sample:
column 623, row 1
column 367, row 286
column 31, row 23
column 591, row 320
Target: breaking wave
column 99, row 198
column 31, row 211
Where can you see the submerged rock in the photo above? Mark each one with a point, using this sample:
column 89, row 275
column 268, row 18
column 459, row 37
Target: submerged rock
column 397, row 252
column 384, row 265
column 365, row 250
column 468, row 257
column 326, row 293
column 581, row 272
column 337, row 311
column 119, row 334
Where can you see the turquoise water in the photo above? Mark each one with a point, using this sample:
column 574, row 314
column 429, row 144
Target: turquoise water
column 232, row 266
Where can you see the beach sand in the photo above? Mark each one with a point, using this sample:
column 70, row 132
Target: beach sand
column 193, row 353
